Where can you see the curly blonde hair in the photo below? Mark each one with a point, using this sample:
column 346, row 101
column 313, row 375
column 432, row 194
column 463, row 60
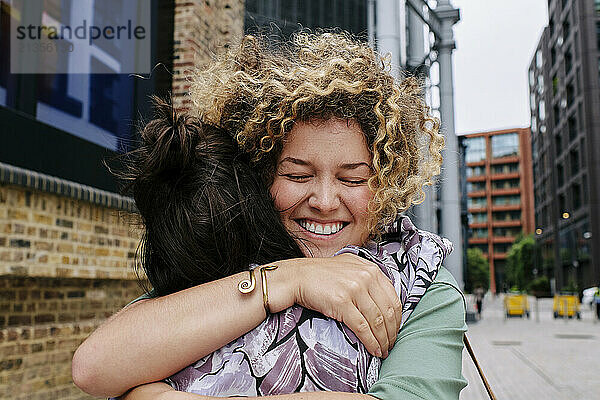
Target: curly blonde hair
column 258, row 90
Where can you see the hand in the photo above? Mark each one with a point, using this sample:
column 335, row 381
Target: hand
column 354, row 291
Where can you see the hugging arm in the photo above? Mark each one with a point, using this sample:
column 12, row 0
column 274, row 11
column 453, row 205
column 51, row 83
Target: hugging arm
column 426, row 362
column 162, row 391
column 152, row 339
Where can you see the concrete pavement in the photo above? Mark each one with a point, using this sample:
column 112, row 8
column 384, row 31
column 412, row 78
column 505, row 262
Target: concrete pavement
column 530, row 359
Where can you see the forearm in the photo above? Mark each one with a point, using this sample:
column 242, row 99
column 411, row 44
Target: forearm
column 162, row 391
column 152, row 339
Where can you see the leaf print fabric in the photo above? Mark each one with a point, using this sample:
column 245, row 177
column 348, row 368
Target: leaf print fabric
column 300, row 350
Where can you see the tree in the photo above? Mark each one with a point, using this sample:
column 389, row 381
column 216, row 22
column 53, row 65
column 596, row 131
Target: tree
column 478, row 270
column 519, row 262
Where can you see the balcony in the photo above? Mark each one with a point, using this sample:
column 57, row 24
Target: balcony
column 503, row 239
column 505, row 191
column 478, row 240
column 500, row 256
column 506, row 207
column 506, row 223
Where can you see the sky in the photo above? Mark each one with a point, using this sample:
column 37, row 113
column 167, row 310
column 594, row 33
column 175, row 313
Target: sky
column 495, row 41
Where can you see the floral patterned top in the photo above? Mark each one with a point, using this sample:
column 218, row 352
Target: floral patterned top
column 300, row 350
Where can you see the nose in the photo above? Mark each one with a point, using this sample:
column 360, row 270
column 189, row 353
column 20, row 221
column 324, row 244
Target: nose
column 324, row 197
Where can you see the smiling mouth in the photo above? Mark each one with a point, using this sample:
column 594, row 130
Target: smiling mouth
column 327, row 229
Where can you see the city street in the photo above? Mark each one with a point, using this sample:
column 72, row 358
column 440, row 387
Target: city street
column 526, row 359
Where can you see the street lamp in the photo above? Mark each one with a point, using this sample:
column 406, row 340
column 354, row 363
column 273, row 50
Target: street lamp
column 566, row 215
column 538, row 231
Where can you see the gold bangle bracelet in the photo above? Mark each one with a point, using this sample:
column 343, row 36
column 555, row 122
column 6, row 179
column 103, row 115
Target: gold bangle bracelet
column 247, row 285
column 263, row 278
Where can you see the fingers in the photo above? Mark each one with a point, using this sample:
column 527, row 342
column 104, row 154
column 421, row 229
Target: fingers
column 372, row 312
column 384, row 295
column 356, row 321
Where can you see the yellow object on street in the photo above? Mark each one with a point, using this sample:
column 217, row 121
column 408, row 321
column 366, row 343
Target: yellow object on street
column 566, row 306
column 516, row 305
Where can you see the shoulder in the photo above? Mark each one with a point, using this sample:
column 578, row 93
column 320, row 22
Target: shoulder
column 444, row 299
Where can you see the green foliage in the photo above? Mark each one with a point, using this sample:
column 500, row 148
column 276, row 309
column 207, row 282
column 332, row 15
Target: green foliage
column 519, row 262
column 478, row 270
column 540, row 287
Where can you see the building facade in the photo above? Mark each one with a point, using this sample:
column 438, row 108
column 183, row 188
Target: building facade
column 565, row 124
column 499, row 194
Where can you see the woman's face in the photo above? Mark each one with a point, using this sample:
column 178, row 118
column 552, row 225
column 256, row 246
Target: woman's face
column 320, row 186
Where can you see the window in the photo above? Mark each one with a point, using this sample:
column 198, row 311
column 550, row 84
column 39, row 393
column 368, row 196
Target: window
column 475, row 171
column 558, row 143
column 553, row 56
column 566, row 27
column 572, row 123
column 506, row 200
column 501, row 247
column 562, row 204
column 507, row 232
column 533, row 124
column 539, row 61
column 574, row 157
column 505, row 145
column 478, row 233
column 597, row 5
column 556, row 112
column 481, row 246
column 476, row 202
column 506, row 216
column 576, row 195
column 475, row 186
column 560, row 175
column 531, row 78
column 542, row 112
column 478, row 218
column 570, row 94
column 568, row 61
column 505, row 168
column 505, row 184
column 475, row 149
column 554, row 85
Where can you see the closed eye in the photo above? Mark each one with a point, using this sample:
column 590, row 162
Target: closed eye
column 298, row 178
column 354, row 181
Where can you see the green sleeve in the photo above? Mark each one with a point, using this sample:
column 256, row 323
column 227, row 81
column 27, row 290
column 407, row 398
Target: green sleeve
column 426, row 361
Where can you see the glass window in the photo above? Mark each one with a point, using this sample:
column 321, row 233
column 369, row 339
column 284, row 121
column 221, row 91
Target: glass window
column 574, row 157
column 572, row 122
column 481, row 246
column 505, row 145
column 506, row 216
column 542, row 112
column 475, row 171
column 476, row 202
column 540, row 84
column 506, row 200
column 501, row 247
column 505, row 168
column 477, row 218
column 531, row 78
column 505, row 184
column 576, row 195
column 507, row 232
column 560, row 175
column 539, row 61
column 475, row 186
column 475, row 149
column 478, row 233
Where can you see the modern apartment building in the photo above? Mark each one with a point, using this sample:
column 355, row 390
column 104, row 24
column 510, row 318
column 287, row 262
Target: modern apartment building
column 565, row 125
column 499, row 190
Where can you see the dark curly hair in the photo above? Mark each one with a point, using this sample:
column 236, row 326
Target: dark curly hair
column 206, row 214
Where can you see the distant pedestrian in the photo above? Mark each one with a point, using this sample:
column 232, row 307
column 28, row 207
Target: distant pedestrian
column 479, row 294
column 597, row 301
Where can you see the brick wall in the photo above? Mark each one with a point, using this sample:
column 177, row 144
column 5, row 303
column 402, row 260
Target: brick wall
column 65, row 266
column 202, row 28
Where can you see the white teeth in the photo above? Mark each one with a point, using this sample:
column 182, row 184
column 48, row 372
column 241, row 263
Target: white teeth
column 321, row 229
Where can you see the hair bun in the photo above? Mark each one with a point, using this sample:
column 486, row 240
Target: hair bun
column 170, row 138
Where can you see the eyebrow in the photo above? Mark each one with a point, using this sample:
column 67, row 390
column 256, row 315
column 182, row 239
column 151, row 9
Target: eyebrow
column 343, row 166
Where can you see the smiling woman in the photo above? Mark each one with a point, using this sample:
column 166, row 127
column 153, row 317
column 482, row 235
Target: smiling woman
column 342, row 149
column 320, row 191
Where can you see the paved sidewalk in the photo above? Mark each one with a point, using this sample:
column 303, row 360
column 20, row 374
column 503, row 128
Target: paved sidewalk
column 529, row 359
